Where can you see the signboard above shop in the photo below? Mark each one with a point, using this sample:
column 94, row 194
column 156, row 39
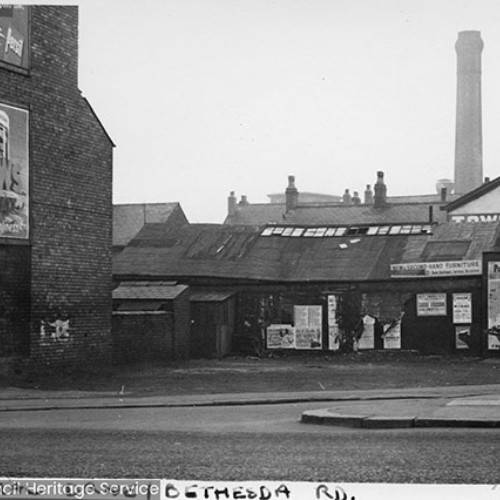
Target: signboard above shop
column 436, row 269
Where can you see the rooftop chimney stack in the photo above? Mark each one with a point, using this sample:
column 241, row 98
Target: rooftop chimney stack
column 468, row 137
column 380, row 198
column 244, row 200
column 368, row 195
column 346, row 197
column 291, row 194
column 355, row 198
column 231, row 204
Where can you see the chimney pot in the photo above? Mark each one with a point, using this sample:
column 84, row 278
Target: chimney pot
column 231, row 204
column 346, row 197
column 486, row 180
column 244, row 200
column 355, row 198
column 368, row 195
column 380, row 197
column 291, row 194
column 444, row 193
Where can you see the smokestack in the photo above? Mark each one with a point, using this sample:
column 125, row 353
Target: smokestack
column 291, row 194
column 468, row 137
column 231, row 204
column 368, row 195
column 380, row 188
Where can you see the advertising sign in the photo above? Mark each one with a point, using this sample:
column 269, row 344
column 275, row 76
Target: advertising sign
column 367, row 339
column 333, row 326
column 462, row 333
column 431, row 304
column 14, row 43
column 462, row 308
column 14, row 172
column 494, row 305
column 280, row 337
column 436, row 269
column 308, row 327
column 392, row 336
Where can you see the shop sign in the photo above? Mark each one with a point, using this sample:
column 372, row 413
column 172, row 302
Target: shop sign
column 280, row 337
column 462, row 308
column 392, row 336
column 436, row 269
column 475, row 218
column 431, row 304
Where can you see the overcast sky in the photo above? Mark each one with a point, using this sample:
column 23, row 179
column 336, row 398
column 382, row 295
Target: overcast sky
column 203, row 97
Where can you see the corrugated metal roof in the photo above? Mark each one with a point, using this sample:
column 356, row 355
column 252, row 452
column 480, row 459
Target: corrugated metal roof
column 207, row 296
column 148, row 291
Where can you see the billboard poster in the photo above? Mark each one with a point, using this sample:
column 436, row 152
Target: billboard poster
column 462, row 308
column 333, row 326
column 392, row 335
column 494, row 305
column 431, row 304
column 14, row 172
column 367, row 339
column 308, row 327
column 280, row 337
column 462, row 333
column 14, row 43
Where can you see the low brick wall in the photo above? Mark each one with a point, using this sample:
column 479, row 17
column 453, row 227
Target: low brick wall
column 143, row 336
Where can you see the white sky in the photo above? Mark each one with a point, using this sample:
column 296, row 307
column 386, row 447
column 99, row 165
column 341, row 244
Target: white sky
column 203, row 97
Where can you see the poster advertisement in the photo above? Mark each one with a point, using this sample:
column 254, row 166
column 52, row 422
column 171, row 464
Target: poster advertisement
column 462, row 308
column 431, row 304
column 392, row 336
column 462, row 333
column 494, row 305
column 367, row 339
column 14, row 172
column 280, row 337
column 308, row 327
column 333, row 326
column 14, row 43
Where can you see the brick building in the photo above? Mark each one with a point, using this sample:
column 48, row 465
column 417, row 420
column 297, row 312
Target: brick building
column 55, row 195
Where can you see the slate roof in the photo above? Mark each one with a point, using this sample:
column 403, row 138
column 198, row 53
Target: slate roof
column 148, row 290
column 128, row 219
column 241, row 252
column 316, row 214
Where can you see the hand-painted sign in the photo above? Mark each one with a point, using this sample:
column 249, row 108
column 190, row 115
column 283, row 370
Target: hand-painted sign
column 14, row 172
column 430, row 269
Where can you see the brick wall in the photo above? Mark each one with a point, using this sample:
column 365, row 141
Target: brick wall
column 70, row 197
column 143, row 336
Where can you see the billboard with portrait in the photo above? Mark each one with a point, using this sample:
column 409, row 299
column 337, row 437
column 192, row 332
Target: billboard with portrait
column 14, row 34
column 14, row 172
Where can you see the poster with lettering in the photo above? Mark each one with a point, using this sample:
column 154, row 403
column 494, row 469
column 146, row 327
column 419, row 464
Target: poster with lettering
column 333, row 326
column 14, row 43
column 494, row 305
column 308, row 327
column 14, row 172
column 462, row 308
column 431, row 304
column 367, row 339
column 392, row 336
column 280, row 337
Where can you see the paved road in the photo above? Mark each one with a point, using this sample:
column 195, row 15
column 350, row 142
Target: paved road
column 237, row 443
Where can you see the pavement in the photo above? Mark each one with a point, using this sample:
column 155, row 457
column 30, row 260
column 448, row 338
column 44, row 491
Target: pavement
column 450, row 406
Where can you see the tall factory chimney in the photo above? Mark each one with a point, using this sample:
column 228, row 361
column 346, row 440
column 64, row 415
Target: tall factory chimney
column 468, row 137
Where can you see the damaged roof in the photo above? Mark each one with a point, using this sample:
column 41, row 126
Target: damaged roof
column 256, row 253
